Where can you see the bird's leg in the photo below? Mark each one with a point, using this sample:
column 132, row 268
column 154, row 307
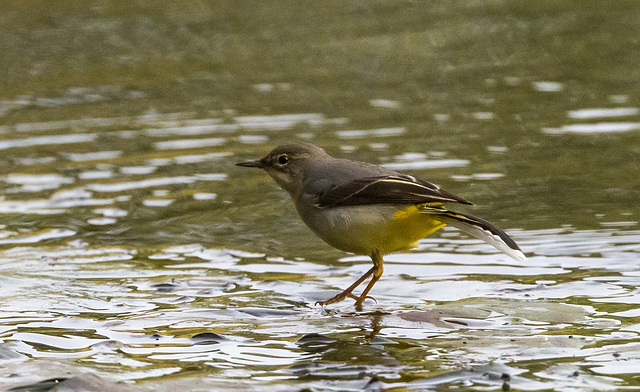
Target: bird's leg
column 347, row 293
column 378, row 269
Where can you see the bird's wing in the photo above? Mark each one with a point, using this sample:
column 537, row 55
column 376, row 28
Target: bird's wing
column 388, row 189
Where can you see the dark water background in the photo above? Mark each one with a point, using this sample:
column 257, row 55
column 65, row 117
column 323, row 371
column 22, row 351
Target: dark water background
column 132, row 251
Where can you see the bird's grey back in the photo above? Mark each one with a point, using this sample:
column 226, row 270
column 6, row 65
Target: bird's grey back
column 336, row 172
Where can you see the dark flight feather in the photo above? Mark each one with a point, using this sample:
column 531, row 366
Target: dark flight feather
column 478, row 228
column 390, row 189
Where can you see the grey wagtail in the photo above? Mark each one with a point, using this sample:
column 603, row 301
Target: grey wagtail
column 367, row 209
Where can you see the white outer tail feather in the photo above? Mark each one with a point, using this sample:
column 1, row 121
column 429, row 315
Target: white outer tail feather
column 484, row 235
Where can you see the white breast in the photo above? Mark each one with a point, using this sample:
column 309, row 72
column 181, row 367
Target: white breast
column 356, row 229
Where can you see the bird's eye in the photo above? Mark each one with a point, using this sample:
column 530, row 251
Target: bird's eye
column 283, row 159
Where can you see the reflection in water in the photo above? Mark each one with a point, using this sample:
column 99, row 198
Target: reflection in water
column 47, row 140
column 609, row 127
column 358, row 134
column 586, row 114
column 551, row 87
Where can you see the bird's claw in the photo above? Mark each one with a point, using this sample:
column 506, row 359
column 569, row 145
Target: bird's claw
column 361, row 299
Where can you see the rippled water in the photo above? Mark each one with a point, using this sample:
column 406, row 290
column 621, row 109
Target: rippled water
column 134, row 255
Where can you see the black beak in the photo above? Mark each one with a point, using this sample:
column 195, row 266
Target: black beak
column 257, row 163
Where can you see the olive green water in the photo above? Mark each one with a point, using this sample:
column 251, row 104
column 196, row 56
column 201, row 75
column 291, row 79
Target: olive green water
column 135, row 256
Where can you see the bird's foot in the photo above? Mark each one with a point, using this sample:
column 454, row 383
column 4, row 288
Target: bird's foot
column 337, row 298
column 360, row 300
column 343, row 295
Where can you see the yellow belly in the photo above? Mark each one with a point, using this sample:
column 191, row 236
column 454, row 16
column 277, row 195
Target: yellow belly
column 408, row 226
column 365, row 229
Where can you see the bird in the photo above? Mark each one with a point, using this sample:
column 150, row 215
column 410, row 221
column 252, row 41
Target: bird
column 368, row 209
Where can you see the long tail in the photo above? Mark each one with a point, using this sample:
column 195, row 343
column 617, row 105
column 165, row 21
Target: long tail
column 481, row 229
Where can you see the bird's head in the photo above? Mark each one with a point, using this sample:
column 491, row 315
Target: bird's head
column 287, row 164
